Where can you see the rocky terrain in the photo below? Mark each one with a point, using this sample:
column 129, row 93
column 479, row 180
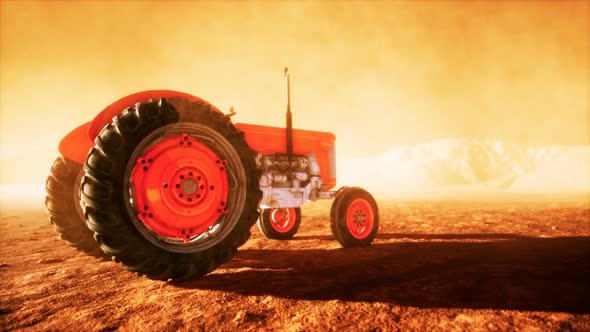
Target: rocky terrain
column 519, row 264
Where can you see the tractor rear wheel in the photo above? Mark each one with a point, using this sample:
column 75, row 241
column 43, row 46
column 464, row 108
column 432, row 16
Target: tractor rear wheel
column 354, row 217
column 279, row 223
column 63, row 205
column 171, row 189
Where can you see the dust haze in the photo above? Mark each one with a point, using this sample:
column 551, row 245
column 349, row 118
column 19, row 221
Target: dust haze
column 488, row 100
column 377, row 74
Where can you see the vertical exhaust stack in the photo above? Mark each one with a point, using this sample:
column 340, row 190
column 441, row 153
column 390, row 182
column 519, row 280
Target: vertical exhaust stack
column 289, row 119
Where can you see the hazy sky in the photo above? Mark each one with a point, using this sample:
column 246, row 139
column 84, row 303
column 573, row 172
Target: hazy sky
column 376, row 73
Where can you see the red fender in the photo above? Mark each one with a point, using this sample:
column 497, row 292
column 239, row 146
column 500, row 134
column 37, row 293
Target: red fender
column 76, row 144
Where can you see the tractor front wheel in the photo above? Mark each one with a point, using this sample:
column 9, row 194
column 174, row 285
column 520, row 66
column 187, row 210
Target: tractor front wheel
column 354, row 217
column 279, row 223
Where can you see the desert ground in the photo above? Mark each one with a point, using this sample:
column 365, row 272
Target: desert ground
column 471, row 264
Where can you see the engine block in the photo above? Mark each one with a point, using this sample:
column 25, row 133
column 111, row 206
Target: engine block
column 285, row 184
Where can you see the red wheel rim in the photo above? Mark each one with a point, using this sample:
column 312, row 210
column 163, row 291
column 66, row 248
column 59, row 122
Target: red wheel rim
column 360, row 218
column 180, row 187
column 282, row 220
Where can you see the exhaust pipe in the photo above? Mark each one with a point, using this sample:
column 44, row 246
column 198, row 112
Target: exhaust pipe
column 289, row 119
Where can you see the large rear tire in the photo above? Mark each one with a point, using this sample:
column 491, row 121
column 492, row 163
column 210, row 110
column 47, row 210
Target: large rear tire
column 354, row 217
column 63, row 206
column 279, row 223
column 171, row 189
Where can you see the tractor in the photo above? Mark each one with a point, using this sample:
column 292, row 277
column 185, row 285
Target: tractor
column 166, row 184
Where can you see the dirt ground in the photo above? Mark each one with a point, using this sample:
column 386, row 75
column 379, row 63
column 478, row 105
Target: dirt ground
column 435, row 265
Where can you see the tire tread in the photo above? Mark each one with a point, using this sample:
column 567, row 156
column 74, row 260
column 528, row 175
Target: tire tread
column 60, row 203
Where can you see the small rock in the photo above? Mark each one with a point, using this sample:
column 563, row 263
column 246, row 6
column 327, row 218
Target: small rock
column 553, row 228
column 239, row 316
column 464, row 318
column 49, row 261
column 245, row 316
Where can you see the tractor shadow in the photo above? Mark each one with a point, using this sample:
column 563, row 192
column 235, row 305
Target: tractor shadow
column 389, row 236
column 476, row 271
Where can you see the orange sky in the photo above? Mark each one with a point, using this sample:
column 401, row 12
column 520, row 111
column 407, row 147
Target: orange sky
column 376, row 73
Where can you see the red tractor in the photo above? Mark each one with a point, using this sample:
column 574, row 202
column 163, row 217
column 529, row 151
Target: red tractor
column 166, row 184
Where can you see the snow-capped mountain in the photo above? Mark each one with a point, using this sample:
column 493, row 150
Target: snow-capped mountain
column 474, row 164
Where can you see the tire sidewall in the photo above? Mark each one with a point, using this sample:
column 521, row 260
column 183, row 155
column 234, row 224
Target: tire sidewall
column 265, row 225
column 338, row 220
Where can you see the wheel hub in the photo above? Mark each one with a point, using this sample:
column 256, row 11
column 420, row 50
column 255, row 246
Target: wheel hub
column 281, row 219
column 360, row 218
column 189, row 186
column 180, row 187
